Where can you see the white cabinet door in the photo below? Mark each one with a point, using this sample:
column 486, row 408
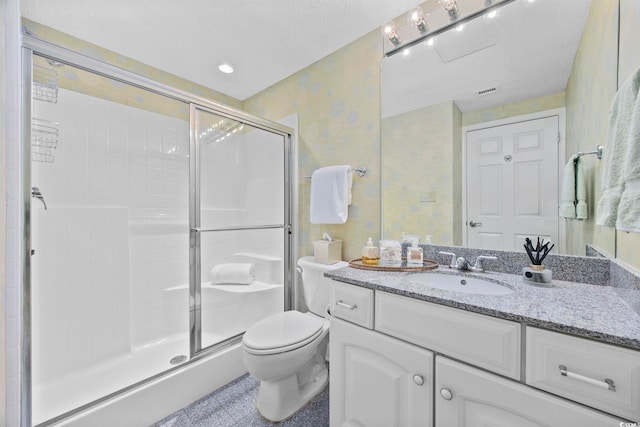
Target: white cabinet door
column 468, row 397
column 378, row 381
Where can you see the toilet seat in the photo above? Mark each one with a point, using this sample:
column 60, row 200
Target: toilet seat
column 282, row 332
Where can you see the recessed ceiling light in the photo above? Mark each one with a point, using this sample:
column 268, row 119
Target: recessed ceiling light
column 225, row 68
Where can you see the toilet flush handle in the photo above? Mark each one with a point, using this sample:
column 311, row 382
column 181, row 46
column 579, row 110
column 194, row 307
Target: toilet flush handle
column 299, row 269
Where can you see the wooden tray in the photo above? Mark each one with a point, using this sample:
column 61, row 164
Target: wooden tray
column 428, row 264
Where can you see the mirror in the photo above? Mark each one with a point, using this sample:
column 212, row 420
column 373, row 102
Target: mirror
column 525, row 63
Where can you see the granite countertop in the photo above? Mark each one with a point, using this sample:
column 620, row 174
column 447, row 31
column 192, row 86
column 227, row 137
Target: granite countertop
column 589, row 311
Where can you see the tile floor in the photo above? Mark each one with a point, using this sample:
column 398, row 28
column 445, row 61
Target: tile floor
column 234, row 405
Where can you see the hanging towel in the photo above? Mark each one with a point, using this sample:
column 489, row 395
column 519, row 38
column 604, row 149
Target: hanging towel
column 582, row 211
column 568, row 195
column 331, row 194
column 619, row 207
column 233, row 274
column 573, row 199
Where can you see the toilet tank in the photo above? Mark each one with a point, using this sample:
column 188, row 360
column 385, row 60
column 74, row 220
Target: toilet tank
column 315, row 285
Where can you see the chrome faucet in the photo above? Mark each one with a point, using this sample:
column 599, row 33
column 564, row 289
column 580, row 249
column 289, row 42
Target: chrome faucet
column 457, row 263
column 37, row 194
column 460, row 263
column 478, row 266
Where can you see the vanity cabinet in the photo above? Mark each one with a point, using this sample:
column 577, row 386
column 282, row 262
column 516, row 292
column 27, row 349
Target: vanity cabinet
column 466, row 396
column 378, row 381
column 596, row 374
column 384, row 376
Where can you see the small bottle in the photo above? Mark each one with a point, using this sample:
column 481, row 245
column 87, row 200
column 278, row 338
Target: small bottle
column 370, row 253
column 414, row 253
column 427, row 239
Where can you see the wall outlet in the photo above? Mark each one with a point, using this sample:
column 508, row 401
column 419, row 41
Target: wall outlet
column 428, row 196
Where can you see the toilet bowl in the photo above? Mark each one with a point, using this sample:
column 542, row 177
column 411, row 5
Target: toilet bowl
column 287, row 351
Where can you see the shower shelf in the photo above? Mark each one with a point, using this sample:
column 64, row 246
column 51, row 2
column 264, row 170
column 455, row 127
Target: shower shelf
column 45, row 84
column 44, row 140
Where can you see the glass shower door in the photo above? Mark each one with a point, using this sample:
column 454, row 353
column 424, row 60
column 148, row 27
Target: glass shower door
column 239, row 225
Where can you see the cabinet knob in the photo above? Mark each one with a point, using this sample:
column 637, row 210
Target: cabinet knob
column 446, row 394
column 418, row 379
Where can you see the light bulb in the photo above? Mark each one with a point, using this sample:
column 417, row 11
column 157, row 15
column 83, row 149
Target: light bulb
column 389, row 30
column 225, row 68
column 406, row 52
column 451, row 7
column 431, row 42
column 416, row 17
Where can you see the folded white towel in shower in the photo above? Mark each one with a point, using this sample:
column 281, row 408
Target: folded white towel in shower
column 331, row 194
column 233, row 274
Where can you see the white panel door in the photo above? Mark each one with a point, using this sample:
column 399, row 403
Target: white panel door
column 469, row 397
column 512, row 184
column 378, row 381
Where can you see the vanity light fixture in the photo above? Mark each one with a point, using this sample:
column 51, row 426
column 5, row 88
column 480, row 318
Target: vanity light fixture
column 225, row 68
column 447, row 10
column 416, row 17
column 389, row 30
column 451, row 7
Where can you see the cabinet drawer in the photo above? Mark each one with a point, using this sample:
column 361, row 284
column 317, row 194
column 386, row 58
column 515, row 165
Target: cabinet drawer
column 352, row 303
column 484, row 341
column 587, row 365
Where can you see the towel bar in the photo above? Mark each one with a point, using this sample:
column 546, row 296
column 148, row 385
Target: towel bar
column 597, row 152
column 360, row 170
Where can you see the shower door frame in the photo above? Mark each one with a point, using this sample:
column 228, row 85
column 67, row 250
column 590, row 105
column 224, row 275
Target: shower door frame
column 31, row 46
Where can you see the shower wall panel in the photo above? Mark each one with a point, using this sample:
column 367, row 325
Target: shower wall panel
column 114, row 236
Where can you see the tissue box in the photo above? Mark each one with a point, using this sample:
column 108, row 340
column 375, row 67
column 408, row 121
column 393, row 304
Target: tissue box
column 327, row 252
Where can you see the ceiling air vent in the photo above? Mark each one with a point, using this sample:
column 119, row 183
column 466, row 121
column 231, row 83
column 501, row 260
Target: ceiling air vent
column 487, row 91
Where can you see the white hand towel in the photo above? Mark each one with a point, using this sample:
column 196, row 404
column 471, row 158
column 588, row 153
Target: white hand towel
column 568, row 195
column 233, row 274
column 573, row 199
column 622, row 161
column 582, row 211
column 331, row 194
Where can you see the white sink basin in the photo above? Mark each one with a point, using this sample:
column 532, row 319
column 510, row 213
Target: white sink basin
column 452, row 282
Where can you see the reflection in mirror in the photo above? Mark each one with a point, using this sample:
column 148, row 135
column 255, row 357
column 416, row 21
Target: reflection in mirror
column 447, row 102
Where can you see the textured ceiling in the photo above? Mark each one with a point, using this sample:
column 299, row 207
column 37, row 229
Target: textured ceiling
column 265, row 40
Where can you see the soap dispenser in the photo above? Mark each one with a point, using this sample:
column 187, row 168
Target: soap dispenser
column 414, row 253
column 370, row 253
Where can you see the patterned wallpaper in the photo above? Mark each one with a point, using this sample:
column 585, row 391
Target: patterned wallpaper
column 527, row 106
column 421, row 164
column 591, row 87
column 337, row 100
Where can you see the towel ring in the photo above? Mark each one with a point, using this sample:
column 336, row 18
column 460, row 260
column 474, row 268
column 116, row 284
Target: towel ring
column 360, row 170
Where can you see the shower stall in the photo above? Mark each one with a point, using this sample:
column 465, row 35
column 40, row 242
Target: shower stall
column 134, row 193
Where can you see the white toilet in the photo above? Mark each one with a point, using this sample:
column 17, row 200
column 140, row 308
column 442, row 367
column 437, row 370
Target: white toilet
column 286, row 351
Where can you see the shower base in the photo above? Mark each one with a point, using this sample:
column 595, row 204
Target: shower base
column 58, row 397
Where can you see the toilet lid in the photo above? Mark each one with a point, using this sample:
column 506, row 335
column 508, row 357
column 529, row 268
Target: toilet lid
column 282, row 330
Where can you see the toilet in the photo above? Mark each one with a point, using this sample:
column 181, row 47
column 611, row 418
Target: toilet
column 287, row 351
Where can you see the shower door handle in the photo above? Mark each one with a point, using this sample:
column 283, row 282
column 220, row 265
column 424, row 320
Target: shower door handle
column 36, row 194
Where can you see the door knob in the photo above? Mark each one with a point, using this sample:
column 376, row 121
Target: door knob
column 446, row 394
column 474, row 224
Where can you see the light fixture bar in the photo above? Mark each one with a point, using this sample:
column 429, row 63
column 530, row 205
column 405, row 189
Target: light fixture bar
column 466, row 18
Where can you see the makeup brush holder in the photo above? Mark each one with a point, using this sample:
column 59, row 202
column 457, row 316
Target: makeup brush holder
column 537, row 275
